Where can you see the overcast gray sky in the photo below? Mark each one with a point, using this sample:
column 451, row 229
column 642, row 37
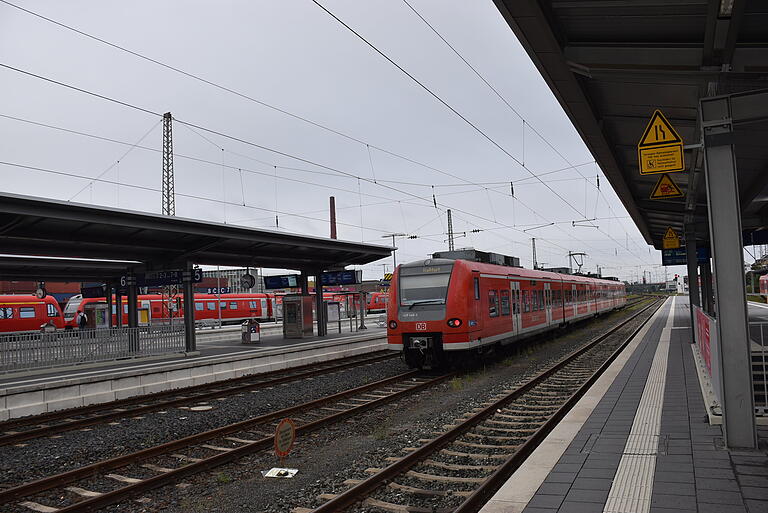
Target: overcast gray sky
column 294, row 56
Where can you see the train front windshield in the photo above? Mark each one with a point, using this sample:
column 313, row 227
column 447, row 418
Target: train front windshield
column 424, row 289
column 71, row 308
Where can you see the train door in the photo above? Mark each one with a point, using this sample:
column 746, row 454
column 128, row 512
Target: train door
column 574, row 301
column 548, row 302
column 516, row 307
column 263, row 311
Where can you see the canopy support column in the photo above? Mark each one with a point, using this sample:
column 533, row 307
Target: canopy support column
column 730, row 293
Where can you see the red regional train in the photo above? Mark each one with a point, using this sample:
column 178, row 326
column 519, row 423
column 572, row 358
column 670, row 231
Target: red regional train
column 234, row 307
column 27, row 312
column 441, row 308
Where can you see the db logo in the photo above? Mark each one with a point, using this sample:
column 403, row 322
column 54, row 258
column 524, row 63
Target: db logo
column 421, row 326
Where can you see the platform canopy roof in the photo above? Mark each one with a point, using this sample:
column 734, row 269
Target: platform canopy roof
column 48, row 228
column 611, row 63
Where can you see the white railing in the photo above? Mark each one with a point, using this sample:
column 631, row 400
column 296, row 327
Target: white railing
column 33, row 350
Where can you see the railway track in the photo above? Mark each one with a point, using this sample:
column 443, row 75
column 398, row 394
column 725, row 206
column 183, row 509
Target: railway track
column 27, row 428
column 107, row 482
column 460, row 469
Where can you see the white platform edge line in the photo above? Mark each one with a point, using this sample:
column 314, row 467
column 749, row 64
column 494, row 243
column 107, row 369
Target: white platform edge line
column 520, row 488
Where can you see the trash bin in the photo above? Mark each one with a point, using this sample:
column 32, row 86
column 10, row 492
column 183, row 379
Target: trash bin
column 251, row 332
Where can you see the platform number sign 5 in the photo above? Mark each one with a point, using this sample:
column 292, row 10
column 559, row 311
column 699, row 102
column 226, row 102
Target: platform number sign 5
column 421, row 326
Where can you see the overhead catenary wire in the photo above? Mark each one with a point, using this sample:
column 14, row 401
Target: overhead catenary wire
column 224, row 88
column 220, row 134
column 283, row 111
column 443, row 102
column 515, row 111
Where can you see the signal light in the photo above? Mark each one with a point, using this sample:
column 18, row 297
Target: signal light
column 454, row 323
column 392, row 325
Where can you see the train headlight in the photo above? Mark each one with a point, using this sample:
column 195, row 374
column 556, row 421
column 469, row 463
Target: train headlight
column 454, row 323
column 392, row 325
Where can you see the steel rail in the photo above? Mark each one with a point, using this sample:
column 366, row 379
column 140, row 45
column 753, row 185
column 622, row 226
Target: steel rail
column 355, row 494
column 48, row 483
column 224, row 388
column 114, row 496
column 486, row 490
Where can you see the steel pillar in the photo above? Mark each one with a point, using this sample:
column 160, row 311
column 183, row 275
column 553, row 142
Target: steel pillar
column 118, row 306
column 322, row 326
column 190, row 342
column 134, row 342
column 304, row 283
column 727, row 254
column 108, row 294
column 693, row 274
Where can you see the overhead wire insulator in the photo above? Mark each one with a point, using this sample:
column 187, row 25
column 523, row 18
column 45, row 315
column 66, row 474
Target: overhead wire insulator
column 434, row 199
column 512, row 189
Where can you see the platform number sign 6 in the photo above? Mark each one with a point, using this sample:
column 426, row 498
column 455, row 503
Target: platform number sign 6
column 421, row 326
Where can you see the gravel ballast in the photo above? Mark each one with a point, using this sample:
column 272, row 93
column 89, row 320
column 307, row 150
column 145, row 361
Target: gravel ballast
column 328, row 457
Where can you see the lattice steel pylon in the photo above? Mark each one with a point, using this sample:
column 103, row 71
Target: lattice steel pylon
column 450, row 231
column 169, row 195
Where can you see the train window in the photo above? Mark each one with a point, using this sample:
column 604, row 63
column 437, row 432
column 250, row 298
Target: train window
column 526, row 301
column 477, row 288
column 233, row 305
column 424, row 289
column 6, row 313
column 504, row 302
column 199, row 306
column 534, row 301
column 211, row 305
column 252, row 305
column 52, row 312
column 223, row 305
column 493, row 303
column 26, row 312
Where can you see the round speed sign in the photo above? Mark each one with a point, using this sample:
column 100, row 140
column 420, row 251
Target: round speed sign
column 285, row 435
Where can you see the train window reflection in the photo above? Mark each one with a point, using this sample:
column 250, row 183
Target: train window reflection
column 425, row 288
column 6, row 313
column 26, row 312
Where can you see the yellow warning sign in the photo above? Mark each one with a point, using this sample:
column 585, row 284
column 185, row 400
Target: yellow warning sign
column 670, row 240
column 666, row 188
column 660, row 149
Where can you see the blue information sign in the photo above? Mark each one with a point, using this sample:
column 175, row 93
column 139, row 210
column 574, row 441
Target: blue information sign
column 283, row 281
column 331, row 278
column 677, row 256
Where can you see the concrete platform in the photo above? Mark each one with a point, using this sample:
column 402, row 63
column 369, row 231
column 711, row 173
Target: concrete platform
column 640, row 441
column 70, row 387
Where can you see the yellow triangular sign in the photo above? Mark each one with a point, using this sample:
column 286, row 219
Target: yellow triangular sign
column 659, row 131
column 670, row 240
column 666, row 188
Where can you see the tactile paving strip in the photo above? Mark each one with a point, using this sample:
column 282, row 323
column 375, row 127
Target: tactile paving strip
column 633, row 484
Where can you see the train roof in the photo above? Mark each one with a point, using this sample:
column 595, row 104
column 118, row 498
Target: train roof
column 513, row 271
column 25, row 297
